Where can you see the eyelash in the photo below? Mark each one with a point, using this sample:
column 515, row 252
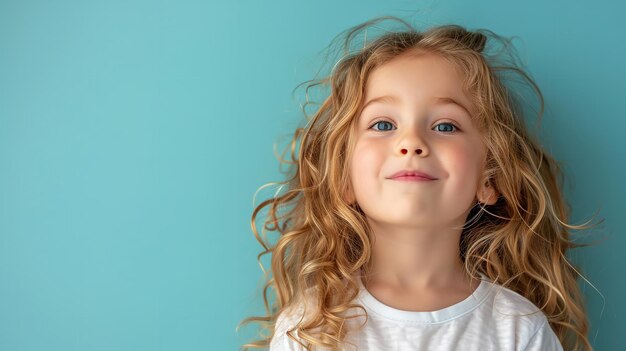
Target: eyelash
column 452, row 124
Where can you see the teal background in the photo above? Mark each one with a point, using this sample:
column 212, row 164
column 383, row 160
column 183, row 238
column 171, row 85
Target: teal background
column 134, row 134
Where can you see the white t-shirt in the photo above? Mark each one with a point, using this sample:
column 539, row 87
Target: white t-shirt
column 492, row 318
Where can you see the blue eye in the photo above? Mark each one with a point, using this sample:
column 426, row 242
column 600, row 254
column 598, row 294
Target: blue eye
column 389, row 123
column 448, row 127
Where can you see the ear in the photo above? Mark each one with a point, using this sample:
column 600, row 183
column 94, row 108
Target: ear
column 486, row 193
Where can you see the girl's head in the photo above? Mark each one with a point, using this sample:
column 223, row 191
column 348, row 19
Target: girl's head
column 437, row 102
column 445, row 106
column 418, row 116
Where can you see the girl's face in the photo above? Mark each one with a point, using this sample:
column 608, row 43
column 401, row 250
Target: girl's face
column 417, row 103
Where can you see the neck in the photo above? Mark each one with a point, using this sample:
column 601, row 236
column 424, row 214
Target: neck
column 415, row 258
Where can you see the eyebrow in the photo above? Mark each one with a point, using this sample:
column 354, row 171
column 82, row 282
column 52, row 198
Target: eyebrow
column 442, row 100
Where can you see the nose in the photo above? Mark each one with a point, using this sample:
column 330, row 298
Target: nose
column 414, row 146
column 413, row 141
column 418, row 151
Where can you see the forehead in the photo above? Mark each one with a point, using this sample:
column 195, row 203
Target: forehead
column 421, row 76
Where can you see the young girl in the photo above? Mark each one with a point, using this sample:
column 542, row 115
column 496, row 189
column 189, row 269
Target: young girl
column 422, row 213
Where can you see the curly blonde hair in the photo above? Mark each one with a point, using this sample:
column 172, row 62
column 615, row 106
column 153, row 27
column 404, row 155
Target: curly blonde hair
column 520, row 242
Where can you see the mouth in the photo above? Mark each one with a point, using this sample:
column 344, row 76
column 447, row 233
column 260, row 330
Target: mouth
column 409, row 175
column 410, row 178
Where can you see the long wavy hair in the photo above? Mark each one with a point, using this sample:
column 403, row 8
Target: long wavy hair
column 520, row 242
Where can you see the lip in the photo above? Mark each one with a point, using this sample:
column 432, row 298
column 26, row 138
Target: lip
column 411, row 175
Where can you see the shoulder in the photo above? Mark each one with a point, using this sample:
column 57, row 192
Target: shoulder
column 506, row 302
column 287, row 320
column 510, row 310
column 544, row 339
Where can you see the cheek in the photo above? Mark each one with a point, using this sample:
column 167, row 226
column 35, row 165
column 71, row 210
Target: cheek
column 465, row 163
column 366, row 162
column 462, row 158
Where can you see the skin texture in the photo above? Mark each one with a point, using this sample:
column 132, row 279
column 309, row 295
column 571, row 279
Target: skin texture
column 417, row 225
